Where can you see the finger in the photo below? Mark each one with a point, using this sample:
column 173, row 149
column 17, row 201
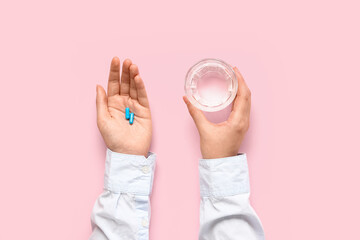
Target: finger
column 242, row 87
column 141, row 91
column 134, row 71
column 241, row 110
column 125, row 78
column 101, row 103
column 114, row 77
column 242, row 102
column 197, row 115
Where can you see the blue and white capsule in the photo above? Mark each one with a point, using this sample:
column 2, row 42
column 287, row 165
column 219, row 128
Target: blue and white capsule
column 127, row 113
column 132, row 115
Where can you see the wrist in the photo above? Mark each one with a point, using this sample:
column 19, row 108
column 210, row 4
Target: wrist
column 212, row 153
column 142, row 152
column 218, row 155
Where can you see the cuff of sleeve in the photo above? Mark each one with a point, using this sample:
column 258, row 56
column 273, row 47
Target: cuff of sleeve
column 127, row 173
column 223, row 177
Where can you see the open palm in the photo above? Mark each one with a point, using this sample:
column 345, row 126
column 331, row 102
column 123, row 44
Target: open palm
column 127, row 90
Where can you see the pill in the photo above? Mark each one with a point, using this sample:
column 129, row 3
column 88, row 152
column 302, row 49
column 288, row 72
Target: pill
column 127, row 113
column 132, row 115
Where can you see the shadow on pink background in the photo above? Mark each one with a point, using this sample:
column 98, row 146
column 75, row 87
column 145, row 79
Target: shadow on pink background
column 301, row 61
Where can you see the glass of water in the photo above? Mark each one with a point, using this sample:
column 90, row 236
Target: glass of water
column 211, row 85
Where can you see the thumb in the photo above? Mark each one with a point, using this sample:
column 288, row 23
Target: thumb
column 101, row 102
column 197, row 115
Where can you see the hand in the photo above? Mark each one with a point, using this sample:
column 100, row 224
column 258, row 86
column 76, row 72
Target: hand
column 224, row 139
column 118, row 134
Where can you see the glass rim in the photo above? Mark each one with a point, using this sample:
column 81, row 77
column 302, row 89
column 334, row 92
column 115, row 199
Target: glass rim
column 198, row 104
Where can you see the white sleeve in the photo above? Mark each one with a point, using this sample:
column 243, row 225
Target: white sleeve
column 225, row 211
column 122, row 211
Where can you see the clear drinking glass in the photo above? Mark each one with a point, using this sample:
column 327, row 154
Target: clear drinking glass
column 211, row 85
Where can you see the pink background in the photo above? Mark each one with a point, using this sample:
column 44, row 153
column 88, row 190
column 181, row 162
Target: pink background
column 300, row 59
